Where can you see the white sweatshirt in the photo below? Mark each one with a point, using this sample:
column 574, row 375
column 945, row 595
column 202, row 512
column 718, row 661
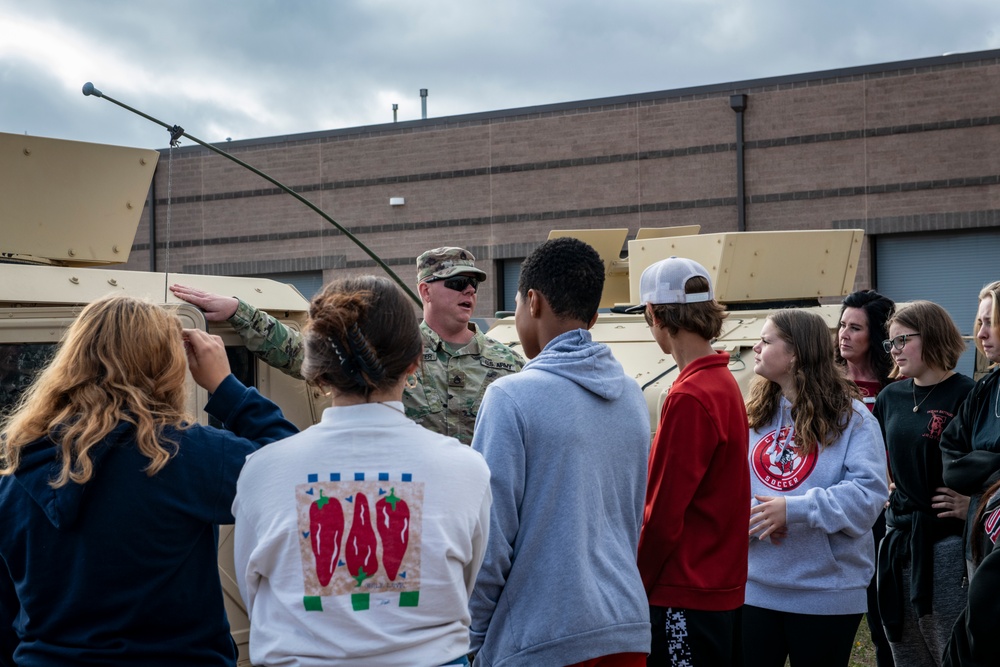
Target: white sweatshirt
column 358, row 542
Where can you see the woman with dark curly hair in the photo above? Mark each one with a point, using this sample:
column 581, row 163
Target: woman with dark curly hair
column 817, row 475
column 862, row 327
column 860, row 332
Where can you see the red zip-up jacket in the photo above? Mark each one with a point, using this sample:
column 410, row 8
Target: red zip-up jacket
column 693, row 545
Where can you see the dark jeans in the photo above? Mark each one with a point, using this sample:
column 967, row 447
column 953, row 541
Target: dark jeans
column 806, row 640
column 694, row 637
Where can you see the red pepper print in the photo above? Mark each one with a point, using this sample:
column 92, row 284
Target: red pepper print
column 360, row 549
column 326, row 528
column 393, row 516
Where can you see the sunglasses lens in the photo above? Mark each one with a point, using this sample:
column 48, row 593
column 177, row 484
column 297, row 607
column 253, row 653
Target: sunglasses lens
column 460, row 283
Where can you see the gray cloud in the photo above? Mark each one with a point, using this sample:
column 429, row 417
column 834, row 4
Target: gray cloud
column 262, row 67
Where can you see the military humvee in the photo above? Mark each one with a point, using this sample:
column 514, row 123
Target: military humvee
column 752, row 273
column 68, row 210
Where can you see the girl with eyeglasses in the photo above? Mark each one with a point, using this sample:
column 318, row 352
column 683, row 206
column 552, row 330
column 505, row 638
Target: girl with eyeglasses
column 920, row 566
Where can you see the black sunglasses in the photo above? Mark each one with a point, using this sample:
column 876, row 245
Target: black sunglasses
column 459, row 283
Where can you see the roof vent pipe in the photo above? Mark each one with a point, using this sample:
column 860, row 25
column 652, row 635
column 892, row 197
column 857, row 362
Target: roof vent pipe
column 423, row 103
column 395, row 109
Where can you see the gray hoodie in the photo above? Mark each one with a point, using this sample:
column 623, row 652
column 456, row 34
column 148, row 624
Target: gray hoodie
column 567, row 443
column 833, row 497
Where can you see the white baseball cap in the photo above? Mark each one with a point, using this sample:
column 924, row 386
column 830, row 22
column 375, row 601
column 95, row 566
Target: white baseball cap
column 664, row 281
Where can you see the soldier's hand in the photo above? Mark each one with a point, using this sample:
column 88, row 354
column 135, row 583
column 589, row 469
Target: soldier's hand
column 217, row 308
column 206, row 358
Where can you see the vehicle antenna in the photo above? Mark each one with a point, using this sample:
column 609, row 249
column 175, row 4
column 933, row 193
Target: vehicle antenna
column 176, row 132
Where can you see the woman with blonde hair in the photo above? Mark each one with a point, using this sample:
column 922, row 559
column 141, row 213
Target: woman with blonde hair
column 818, row 482
column 970, row 445
column 111, row 495
column 921, row 568
column 358, row 541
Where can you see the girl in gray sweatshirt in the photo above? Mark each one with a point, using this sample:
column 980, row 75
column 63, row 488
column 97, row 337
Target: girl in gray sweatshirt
column 817, row 484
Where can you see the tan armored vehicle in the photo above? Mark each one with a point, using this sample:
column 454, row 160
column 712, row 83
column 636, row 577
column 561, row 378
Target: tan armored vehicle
column 68, row 210
column 752, row 272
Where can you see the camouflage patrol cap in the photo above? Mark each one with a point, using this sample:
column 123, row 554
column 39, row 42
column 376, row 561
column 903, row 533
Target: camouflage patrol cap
column 447, row 262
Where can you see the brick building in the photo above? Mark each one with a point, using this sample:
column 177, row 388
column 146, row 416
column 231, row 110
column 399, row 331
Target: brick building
column 905, row 151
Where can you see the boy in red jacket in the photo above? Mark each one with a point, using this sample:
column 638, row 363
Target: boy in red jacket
column 693, row 545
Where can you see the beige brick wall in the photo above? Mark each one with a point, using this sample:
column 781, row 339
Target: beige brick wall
column 892, row 149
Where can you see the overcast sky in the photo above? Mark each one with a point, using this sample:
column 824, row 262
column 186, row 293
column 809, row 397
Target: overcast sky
column 259, row 68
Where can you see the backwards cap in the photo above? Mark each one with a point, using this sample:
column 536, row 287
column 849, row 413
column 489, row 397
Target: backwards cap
column 664, row 281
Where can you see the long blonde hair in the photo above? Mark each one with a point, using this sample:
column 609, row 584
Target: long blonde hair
column 823, row 394
column 122, row 360
column 991, row 290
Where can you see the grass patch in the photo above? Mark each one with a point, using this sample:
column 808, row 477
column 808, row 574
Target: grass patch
column 863, row 653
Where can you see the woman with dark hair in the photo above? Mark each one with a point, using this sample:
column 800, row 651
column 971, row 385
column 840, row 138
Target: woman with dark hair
column 360, row 543
column 862, row 328
column 111, row 494
column 860, row 332
column 817, row 465
column 921, row 570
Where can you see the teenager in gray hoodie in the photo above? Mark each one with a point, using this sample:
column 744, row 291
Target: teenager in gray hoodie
column 817, row 484
column 567, row 443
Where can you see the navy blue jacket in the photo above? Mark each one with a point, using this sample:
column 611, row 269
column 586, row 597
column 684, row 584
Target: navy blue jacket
column 123, row 569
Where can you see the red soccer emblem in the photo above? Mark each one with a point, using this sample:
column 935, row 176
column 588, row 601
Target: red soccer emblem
column 777, row 463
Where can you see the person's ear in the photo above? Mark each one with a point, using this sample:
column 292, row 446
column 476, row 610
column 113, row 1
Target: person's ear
column 425, row 292
column 593, row 321
column 535, row 303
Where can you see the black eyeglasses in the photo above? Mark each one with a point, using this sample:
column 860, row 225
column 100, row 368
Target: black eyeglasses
column 898, row 342
column 459, row 283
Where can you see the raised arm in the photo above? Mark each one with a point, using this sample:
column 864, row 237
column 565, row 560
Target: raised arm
column 270, row 340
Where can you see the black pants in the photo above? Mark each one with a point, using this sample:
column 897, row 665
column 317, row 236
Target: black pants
column 694, row 637
column 883, row 654
column 807, row 640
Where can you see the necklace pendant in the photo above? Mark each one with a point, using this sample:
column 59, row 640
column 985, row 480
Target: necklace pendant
column 916, row 408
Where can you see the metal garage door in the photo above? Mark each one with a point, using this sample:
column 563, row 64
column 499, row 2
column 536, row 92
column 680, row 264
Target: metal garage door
column 948, row 269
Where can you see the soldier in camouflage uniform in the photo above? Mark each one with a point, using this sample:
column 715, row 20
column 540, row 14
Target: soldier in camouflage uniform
column 459, row 360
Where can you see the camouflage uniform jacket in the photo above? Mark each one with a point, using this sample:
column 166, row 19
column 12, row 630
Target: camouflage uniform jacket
column 450, row 385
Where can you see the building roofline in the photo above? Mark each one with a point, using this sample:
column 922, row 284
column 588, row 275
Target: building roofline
column 690, row 92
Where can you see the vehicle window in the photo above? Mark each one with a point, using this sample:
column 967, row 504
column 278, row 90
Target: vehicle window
column 244, row 367
column 19, row 364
